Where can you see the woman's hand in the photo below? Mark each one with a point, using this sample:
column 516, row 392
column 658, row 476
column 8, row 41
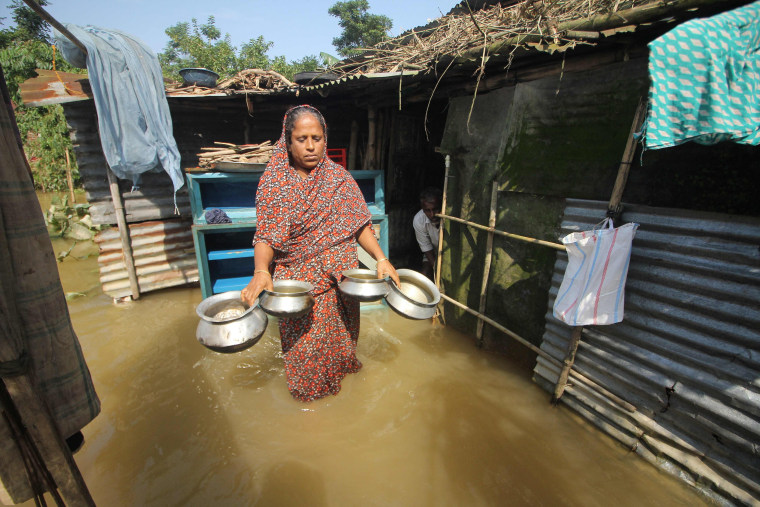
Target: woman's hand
column 385, row 268
column 261, row 281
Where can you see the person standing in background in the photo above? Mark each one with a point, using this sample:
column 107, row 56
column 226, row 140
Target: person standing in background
column 426, row 226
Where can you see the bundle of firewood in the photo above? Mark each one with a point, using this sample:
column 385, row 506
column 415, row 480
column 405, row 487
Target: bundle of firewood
column 242, row 153
column 255, row 79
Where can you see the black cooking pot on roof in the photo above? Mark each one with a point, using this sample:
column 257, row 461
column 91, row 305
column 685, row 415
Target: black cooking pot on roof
column 314, row 77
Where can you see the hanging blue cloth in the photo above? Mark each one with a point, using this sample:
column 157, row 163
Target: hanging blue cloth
column 133, row 115
column 705, row 81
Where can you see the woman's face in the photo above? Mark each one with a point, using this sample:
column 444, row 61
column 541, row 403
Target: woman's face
column 307, row 143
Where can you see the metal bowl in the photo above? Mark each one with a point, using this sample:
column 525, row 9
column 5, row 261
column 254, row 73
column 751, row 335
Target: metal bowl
column 289, row 298
column 363, row 285
column 417, row 297
column 199, row 76
column 229, row 325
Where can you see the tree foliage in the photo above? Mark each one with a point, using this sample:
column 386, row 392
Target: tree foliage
column 360, row 28
column 24, row 48
column 203, row 45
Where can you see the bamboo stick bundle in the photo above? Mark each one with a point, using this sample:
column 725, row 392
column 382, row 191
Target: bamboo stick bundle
column 228, row 152
column 255, row 79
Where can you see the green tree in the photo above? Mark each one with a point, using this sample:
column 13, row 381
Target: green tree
column 29, row 26
column 203, row 45
column 198, row 45
column 360, row 28
column 24, row 48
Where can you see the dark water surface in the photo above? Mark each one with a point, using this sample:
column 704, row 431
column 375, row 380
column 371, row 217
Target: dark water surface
column 430, row 420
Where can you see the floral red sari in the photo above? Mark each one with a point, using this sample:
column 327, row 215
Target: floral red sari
column 311, row 225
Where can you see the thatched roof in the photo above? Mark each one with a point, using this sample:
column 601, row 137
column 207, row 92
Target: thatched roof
column 503, row 27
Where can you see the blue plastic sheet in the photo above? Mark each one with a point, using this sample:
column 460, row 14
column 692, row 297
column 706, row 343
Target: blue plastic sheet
column 133, row 116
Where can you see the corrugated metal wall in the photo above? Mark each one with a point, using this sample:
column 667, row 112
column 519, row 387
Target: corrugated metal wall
column 163, row 252
column 687, row 355
column 155, row 198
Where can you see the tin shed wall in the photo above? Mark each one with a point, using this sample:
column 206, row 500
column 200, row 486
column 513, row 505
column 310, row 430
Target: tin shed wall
column 686, row 356
column 155, row 197
column 163, row 253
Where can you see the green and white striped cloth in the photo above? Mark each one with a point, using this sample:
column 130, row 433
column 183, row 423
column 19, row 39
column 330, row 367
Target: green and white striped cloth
column 705, row 81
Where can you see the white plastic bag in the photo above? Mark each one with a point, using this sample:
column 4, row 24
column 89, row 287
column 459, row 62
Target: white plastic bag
column 593, row 288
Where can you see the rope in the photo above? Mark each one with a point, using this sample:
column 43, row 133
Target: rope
column 69, row 90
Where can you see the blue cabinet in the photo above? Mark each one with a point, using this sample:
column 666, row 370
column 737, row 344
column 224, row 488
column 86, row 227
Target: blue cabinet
column 224, row 251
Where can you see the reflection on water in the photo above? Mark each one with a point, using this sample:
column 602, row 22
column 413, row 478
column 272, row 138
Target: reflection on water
column 429, row 420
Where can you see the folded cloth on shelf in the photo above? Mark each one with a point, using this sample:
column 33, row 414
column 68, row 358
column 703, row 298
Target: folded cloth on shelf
column 217, row 216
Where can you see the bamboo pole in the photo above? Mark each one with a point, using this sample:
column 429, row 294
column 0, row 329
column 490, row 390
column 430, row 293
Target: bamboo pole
column 69, row 179
column 58, row 26
column 487, row 269
column 121, row 222
column 576, row 376
column 567, row 364
column 447, row 164
column 625, row 164
column 556, row 246
column 613, row 209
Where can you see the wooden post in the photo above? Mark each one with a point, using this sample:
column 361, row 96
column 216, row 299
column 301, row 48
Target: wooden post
column 487, row 268
column 625, row 164
column 352, row 145
column 371, row 155
column 567, row 363
column 613, row 208
column 440, row 237
column 121, row 222
column 69, row 178
column 379, row 140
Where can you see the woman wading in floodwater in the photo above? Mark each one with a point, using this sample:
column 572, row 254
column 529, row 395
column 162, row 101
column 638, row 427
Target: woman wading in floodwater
column 310, row 213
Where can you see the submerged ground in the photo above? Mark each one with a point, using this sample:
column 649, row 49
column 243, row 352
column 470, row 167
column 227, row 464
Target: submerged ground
column 429, row 420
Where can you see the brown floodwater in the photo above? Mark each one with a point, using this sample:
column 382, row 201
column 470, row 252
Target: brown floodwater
column 430, row 419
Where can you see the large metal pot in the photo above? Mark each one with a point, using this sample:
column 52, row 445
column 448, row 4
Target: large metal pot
column 363, row 285
column 288, row 298
column 199, row 76
column 416, row 298
column 229, row 325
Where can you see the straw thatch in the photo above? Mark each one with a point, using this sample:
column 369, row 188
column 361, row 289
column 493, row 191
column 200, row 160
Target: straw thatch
column 464, row 31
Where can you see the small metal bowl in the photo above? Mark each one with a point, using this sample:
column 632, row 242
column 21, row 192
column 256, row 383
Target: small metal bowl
column 227, row 324
column 289, row 298
column 417, row 297
column 363, row 285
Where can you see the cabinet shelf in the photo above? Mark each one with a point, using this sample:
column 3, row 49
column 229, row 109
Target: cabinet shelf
column 224, row 252
column 220, row 255
column 232, row 283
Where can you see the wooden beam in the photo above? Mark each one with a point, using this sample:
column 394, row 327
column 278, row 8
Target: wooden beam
column 487, row 268
column 58, row 26
column 121, row 222
column 447, row 165
column 556, row 246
